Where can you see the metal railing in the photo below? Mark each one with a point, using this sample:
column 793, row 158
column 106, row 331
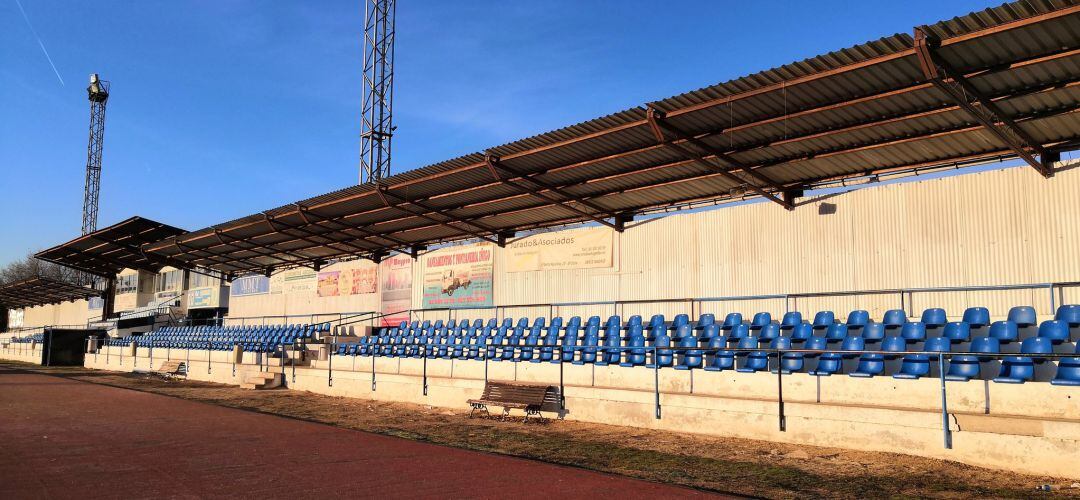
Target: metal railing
column 665, row 357
column 695, row 306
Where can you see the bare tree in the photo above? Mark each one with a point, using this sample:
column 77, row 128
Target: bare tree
column 29, row 267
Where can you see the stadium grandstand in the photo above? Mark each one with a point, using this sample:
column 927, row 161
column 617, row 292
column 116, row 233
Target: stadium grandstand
column 877, row 249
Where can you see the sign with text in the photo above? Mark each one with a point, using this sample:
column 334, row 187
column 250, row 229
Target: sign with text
column 459, row 277
column 250, row 285
column 294, row 281
column 395, row 288
column 578, row 249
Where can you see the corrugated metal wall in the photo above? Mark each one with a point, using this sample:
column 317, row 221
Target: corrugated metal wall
column 1000, row 227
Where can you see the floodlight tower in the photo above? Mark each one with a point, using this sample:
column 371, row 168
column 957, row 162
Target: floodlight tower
column 98, row 93
column 377, row 125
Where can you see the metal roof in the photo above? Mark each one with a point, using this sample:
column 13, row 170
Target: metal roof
column 109, row 250
column 994, row 84
column 40, row 291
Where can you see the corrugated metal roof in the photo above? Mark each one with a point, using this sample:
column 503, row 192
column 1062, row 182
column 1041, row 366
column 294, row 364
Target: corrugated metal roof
column 109, row 250
column 40, row 291
column 853, row 112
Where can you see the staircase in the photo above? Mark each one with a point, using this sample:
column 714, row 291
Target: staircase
column 262, row 380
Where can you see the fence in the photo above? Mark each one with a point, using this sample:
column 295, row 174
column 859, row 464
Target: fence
column 664, row 357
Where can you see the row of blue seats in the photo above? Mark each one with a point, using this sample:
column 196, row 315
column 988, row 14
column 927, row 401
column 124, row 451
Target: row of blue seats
column 263, row 338
column 933, row 319
column 487, row 342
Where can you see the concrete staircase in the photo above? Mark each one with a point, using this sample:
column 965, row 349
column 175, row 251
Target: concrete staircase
column 262, row 380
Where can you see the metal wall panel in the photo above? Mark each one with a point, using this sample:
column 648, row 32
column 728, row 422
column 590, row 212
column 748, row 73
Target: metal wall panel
column 999, row 227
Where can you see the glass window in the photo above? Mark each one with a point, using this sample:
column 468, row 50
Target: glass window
column 169, row 280
column 127, row 284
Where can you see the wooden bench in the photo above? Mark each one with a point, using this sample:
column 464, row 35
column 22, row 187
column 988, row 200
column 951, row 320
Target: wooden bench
column 529, row 398
column 170, row 370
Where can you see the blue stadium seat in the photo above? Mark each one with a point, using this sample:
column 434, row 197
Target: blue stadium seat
column 874, row 364
column 708, row 332
column 738, row 332
column 753, row 360
column 657, row 321
column 760, row 320
column 957, row 331
column 769, row 332
column 836, row 332
column 1005, row 331
column 976, row 317
column 857, row 319
column 680, row 320
column 612, row 354
column 704, row 320
column 832, row 362
column 690, row 358
column 1068, row 372
column 589, row 346
column 663, row 357
column 824, row 319
column 893, row 319
column 802, row 332
column 790, row 362
column 1056, row 331
column 1020, row 369
column 913, row 332
column 1070, row 314
column 570, row 342
column 915, row 366
column 1023, row 316
column 873, row 333
column 637, row 354
column 791, row 320
column 732, row 320
column 965, row 367
column 934, row 317
column 718, row 359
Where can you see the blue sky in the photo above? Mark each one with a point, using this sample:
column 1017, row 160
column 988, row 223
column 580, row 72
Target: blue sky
column 224, row 108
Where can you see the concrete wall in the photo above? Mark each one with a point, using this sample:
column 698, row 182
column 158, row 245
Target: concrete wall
column 1007, row 226
column 1032, row 428
column 64, row 313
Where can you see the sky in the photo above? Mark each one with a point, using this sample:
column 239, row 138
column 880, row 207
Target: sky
column 224, row 108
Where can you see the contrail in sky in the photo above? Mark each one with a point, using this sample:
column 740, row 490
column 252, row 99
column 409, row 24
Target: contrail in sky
column 42, row 44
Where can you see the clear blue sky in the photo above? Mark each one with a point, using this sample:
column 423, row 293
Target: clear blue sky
column 224, row 108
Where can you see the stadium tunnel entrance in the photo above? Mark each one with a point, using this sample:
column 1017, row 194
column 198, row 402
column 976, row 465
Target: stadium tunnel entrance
column 66, row 346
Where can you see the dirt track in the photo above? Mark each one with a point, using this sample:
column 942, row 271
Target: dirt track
column 64, row 438
column 727, row 465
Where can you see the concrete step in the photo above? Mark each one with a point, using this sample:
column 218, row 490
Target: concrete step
column 261, row 380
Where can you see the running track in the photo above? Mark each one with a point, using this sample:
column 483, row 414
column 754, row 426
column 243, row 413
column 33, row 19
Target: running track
column 62, row 438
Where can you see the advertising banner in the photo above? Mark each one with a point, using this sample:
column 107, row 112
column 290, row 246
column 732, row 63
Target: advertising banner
column 95, row 303
column 459, row 277
column 201, row 298
column 578, row 249
column 395, row 288
column 294, row 281
column 328, row 283
column 363, row 280
column 250, row 285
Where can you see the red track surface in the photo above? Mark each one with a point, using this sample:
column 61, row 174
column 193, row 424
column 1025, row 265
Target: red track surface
column 65, row 438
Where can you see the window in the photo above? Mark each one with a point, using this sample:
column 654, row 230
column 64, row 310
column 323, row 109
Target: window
column 196, row 280
column 127, row 284
column 169, row 280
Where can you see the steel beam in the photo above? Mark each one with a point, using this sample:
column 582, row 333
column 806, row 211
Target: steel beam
column 660, row 128
column 960, row 90
column 273, row 224
column 384, row 194
column 495, row 167
column 307, row 213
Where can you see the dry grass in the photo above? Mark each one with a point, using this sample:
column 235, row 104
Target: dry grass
column 728, row 465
